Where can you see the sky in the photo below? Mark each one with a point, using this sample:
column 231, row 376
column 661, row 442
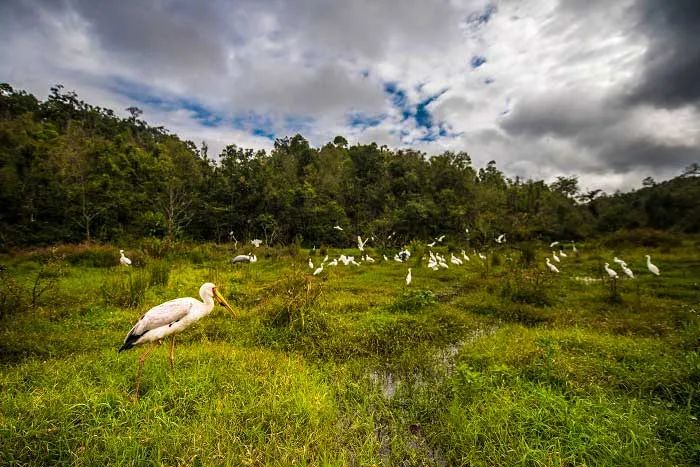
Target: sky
column 607, row 91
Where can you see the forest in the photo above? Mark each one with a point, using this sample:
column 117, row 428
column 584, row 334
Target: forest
column 73, row 172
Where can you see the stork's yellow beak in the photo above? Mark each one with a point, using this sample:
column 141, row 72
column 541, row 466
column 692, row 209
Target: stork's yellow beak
column 220, row 298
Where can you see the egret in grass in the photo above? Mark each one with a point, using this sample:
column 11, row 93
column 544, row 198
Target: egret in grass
column 123, row 259
column 562, row 254
column 628, row 272
column 256, row 242
column 611, row 272
column 652, row 268
column 311, row 264
column 556, row 258
column 249, row 258
column 552, row 267
column 618, row 261
column 501, row 238
column 170, row 318
column 409, row 278
column 318, row 270
column 573, row 247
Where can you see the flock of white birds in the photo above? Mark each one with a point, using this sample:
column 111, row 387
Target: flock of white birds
column 172, row 317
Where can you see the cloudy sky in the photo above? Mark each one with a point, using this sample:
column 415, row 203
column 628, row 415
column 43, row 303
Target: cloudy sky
column 609, row 91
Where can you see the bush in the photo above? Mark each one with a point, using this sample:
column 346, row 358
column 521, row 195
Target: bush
column 413, row 300
column 293, row 301
column 643, row 238
column 527, row 286
column 11, row 296
column 155, row 247
column 95, row 256
column 126, row 289
column 158, row 272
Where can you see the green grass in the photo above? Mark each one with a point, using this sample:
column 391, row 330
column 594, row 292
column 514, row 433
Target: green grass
column 466, row 366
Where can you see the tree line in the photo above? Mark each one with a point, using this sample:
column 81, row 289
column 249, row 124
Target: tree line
column 72, row 172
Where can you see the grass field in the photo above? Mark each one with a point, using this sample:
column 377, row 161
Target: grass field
column 499, row 365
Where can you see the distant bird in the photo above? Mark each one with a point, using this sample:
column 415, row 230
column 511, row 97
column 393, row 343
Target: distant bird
column 325, row 259
column 440, row 238
column 333, row 263
column 456, row 261
column 256, row 243
column 612, row 273
column 337, row 227
column 553, row 244
column 501, row 238
column 573, row 247
column 652, row 268
column 170, row 318
column 369, row 259
column 618, row 261
column 243, row 259
column 311, row 264
column 253, row 258
column 408, row 277
column 318, row 270
column 361, row 244
column 123, row 259
column 628, row 272
column 385, row 258
column 551, row 267
column 556, row 258
column 482, row 256
column 431, row 244
column 464, row 255
column 562, row 254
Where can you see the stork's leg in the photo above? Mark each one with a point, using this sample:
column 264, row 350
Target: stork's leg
column 142, row 359
column 172, row 353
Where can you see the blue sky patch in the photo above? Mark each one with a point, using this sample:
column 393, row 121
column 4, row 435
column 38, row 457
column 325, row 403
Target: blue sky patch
column 477, row 61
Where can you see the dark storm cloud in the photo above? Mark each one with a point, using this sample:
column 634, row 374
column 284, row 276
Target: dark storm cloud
column 643, row 153
column 671, row 69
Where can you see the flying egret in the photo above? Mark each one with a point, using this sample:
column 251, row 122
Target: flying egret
column 628, row 272
column 431, row 244
column 170, row 318
column 318, row 270
column 551, row 267
column 408, row 277
column 652, row 268
column 311, row 264
column 256, row 242
column 337, row 227
column 553, row 244
column 501, row 238
column 556, row 258
column 123, row 259
column 611, row 272
column 440, row 238
column 360, row 243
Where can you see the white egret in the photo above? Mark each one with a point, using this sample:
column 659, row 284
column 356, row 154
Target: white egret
column 464, row 255
column 556, row 258
column 628, row 272
column 385, row 258
column 456, row 261
column 361, row 244
column 325, row 259
column 652, row 268
column 551, row 267
column 337, row 227
column 501, row 238
column 440, row 238
column 243, row 259
column 318, row 270
column 562, row 254
column 611, row 272
column 618, row 261
column 333, row 263
column 431, row 244
column 123, row 259
column 409, row 278
column 170, row 318
column 256, row 242
column 311, row 264
column 553, row 244
column 573, row 247
column 369, row 259
column 482, row 256
column 253, row 258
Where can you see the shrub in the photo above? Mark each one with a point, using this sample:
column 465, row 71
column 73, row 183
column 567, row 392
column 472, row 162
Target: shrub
column 11, row 296
column 155, row 247
column 158, row 272
column 293, row 301
column 126, row 289
column 413, row 300
column 527, row 286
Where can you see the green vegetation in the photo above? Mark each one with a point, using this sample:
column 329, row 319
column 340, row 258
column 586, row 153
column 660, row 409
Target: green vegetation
column 467, row 366
column 72, row 172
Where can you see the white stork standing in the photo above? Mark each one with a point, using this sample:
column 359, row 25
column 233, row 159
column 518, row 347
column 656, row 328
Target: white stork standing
column 170, row 318
column 123, row 259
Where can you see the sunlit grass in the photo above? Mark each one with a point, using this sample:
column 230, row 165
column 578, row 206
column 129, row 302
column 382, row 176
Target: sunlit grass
column 467, row 366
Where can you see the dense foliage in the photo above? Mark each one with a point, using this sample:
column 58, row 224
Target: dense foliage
column 70, row 171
